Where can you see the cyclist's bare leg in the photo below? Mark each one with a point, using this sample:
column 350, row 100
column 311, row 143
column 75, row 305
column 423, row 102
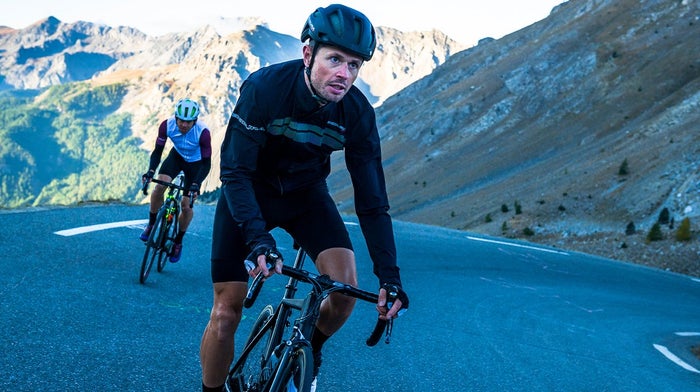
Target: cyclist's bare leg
column 216, row 350
column 339, row 264
column 158, row 194
column 186, row 213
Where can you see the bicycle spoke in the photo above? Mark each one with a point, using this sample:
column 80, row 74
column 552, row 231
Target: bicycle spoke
column 169, row 235
column 295, row 367
column 254, row 368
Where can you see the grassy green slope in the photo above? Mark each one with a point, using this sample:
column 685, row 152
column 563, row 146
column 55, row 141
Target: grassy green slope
column 67, row 146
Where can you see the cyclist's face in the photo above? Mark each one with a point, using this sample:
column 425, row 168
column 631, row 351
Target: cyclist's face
column 183, row 125
column 333, row 71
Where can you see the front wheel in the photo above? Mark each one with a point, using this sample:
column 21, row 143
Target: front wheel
column 296, row 367
column 254, row 367
column 153, row 247
column 171, row 229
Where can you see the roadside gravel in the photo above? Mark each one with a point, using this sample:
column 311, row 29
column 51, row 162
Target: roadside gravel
column 667, row 254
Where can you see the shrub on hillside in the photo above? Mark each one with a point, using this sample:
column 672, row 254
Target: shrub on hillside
column 624, row 168
column 664, row 216
column 683, row 232
column 655, row 233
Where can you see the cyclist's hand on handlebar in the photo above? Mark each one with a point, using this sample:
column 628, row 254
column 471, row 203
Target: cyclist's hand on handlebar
column 193, row 193
column 262, row 258
column 147, row 177
column 194, row 190
column 393, row 301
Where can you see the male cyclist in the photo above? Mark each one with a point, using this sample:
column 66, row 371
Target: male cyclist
column 191, row 154
column 275, row 158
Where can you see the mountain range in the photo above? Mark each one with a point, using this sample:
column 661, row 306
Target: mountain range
column 207, row 64
column 525, row 136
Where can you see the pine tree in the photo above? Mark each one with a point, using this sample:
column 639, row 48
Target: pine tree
column 683, row 232
column 655, row 233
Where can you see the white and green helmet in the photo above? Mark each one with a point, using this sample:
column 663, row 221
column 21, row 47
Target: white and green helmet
column 187, row 110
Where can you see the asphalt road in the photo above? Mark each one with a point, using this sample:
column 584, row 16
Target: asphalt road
column 486, row 314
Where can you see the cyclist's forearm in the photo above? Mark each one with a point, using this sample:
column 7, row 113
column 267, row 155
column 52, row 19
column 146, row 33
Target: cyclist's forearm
column 245, row 211
column 155, row 157
column 204, row 169
column 378, row 231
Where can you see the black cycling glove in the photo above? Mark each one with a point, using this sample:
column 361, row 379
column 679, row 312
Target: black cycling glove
column 148, row 176
column 194, row 189
column 394, row 291
column 271, row 254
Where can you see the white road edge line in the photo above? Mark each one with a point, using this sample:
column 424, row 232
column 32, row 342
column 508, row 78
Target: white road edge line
column 87, row 229
column 517, row 245
column 688, row 333
column 668, row 354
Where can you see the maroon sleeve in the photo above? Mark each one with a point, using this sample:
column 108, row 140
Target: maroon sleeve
column 162, row 133
column 205, row 143
column 205, row 147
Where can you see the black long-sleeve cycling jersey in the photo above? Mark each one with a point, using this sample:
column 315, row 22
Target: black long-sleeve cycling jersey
column 279, row 138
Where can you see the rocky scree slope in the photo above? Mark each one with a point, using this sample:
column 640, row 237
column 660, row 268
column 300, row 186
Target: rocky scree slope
column 544, row 118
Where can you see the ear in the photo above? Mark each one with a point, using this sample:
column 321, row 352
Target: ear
column 307, row 52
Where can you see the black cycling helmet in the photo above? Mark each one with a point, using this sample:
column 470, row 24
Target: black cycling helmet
column 341, row 26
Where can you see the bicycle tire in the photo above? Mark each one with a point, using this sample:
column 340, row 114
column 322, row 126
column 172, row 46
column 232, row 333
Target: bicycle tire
column 298, row 365
column 170, row 233
column 153, row 247
column 247, row 374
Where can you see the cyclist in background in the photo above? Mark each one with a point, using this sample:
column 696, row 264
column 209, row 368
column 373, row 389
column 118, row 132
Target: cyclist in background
column 191, row 154
column 275, row 158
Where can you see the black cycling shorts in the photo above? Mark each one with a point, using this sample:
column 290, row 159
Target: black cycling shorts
column 309, row 216
column 174, row 163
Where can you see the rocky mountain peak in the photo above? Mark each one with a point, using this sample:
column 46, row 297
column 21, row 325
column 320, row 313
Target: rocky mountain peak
column 225, row 26
column 47, row 52
column 47, row 26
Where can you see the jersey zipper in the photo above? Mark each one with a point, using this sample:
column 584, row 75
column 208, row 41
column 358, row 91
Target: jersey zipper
column 281, row 188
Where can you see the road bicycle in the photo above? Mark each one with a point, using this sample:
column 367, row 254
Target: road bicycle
column 165, row 228
column 278, row 350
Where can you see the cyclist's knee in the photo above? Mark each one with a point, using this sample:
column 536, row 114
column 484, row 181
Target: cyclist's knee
column 185, row 206
column 342, row 305
column 225, row 319
column 339, row 264
column 159, row 190
column 228, row 306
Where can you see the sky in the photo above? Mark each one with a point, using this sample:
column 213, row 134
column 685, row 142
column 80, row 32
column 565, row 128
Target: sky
column 464, row 21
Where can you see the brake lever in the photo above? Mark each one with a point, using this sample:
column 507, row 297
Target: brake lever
column 191, row 196
column 389, row 329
